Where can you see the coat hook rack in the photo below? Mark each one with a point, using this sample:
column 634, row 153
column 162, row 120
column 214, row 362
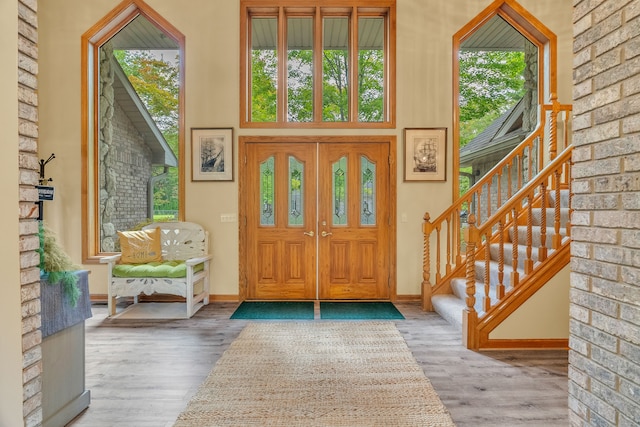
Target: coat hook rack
column 45, row 192
column 43, row 163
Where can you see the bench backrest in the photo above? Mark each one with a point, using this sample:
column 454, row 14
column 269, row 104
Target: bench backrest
column 182, row 240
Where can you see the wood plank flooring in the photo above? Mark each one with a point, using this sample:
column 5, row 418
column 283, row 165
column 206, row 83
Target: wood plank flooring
column 143, row 373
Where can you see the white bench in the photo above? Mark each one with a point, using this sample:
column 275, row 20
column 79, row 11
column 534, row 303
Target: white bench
column 180, row 241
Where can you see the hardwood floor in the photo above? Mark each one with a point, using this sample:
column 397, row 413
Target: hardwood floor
column 143, row 373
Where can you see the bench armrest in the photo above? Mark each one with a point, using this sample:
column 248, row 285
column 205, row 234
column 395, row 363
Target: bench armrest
column 111, row 259
column 198, row 260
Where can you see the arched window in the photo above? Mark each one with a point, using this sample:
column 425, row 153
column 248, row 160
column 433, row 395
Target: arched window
column 133, row 131
column 504, row 68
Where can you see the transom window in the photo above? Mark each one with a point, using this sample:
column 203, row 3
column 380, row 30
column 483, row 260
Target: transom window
column 328, row 65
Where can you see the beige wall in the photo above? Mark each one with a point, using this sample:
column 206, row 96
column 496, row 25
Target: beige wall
column 211, row 27
column 552, row 301
column 10, row 303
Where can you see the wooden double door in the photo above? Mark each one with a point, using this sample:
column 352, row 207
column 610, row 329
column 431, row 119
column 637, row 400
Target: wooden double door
column 318, row 220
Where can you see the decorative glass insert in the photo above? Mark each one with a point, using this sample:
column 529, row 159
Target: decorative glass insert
column 339, row 191
column 300, row 69
column 296, row 196
column 264, row 69
column 371, row 69
column 335, row 70
column 368, row 192
column 267, row 194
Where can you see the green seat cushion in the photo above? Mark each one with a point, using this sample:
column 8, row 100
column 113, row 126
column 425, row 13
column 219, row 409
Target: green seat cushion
column 166, row 269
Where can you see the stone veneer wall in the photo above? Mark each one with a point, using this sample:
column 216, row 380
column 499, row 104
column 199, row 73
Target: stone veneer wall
column 125, row 163
column 604, row 357
column 29, row 242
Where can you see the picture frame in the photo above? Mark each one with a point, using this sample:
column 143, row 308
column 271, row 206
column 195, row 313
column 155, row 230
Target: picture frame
column 425, row 154
column 212, row 154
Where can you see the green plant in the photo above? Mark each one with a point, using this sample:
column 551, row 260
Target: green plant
column 56, row 265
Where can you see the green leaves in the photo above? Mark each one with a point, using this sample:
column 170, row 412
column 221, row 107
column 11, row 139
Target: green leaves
column 490, row 83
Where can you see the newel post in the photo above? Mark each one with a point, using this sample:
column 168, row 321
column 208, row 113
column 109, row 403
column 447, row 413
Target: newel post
column 427, row 227
column 470, row 315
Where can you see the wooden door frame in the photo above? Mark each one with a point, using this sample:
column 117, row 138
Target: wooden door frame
column 243, row 141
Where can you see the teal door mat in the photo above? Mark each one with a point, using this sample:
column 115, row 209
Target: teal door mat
column 359, row 311
column 298, row 310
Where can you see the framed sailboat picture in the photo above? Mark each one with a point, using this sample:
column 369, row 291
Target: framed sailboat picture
column 425, row 154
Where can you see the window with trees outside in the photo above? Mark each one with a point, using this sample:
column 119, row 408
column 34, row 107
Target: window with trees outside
column 326, row 65
column 133, row 138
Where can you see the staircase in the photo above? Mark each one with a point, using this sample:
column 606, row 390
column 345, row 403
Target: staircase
column 451, row 306
column 516, row 238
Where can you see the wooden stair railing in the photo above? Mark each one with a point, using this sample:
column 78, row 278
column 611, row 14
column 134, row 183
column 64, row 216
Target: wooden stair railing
column 504, row 224
column 444, row 236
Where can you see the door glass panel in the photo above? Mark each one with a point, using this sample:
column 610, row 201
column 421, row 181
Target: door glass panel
column 264, row 69
column 267, row 195
column 368, row 192
column 339, row 191
column 335, row 70
column 371, row 69
column 296, row 196
column 300, row 69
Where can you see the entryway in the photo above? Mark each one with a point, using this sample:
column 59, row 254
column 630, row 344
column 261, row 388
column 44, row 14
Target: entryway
column 319, row 218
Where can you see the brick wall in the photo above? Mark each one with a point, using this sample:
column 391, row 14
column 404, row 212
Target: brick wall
column 29, row 242
column 604, row 370
column 132, row 167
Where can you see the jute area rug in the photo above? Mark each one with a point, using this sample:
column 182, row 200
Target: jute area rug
column 316, row 374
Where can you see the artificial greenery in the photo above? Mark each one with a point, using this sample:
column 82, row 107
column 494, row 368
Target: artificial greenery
column 57, row 265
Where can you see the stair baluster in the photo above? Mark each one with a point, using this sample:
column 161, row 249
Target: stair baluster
column 567, row 174
column 486, row 299
column 553, row 131
column 500, row 288
column 542, row 249
column 557, row 237
column 515, row 275
column 448, row 264
column 510, row 180
column 528, row 262
column 470, row 315
column 427, row 227
column 438, row 245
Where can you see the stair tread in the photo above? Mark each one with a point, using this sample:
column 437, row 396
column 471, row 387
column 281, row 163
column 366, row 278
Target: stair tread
column 450, row 308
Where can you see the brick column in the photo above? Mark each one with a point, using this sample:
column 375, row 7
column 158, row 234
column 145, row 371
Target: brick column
column 29, row 241
column 604, row 359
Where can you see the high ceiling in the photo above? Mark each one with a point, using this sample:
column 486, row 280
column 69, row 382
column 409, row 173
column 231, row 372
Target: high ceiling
column 495, row 34
column 141, row 34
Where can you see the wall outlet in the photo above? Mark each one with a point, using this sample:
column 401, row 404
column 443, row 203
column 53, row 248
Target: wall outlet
column 228, row 217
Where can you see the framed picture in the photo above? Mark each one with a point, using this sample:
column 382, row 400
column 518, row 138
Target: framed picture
column 425, row 154
column 212, row 154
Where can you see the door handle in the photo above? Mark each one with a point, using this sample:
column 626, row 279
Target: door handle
column 325, row 234
column 309, row 233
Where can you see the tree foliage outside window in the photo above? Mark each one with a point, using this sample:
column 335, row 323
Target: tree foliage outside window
column 371, row 85
column 319, row 85
column 490, row 83
column 335, row 83
column 156, row 80
column 264, row 85
column 300, row 86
